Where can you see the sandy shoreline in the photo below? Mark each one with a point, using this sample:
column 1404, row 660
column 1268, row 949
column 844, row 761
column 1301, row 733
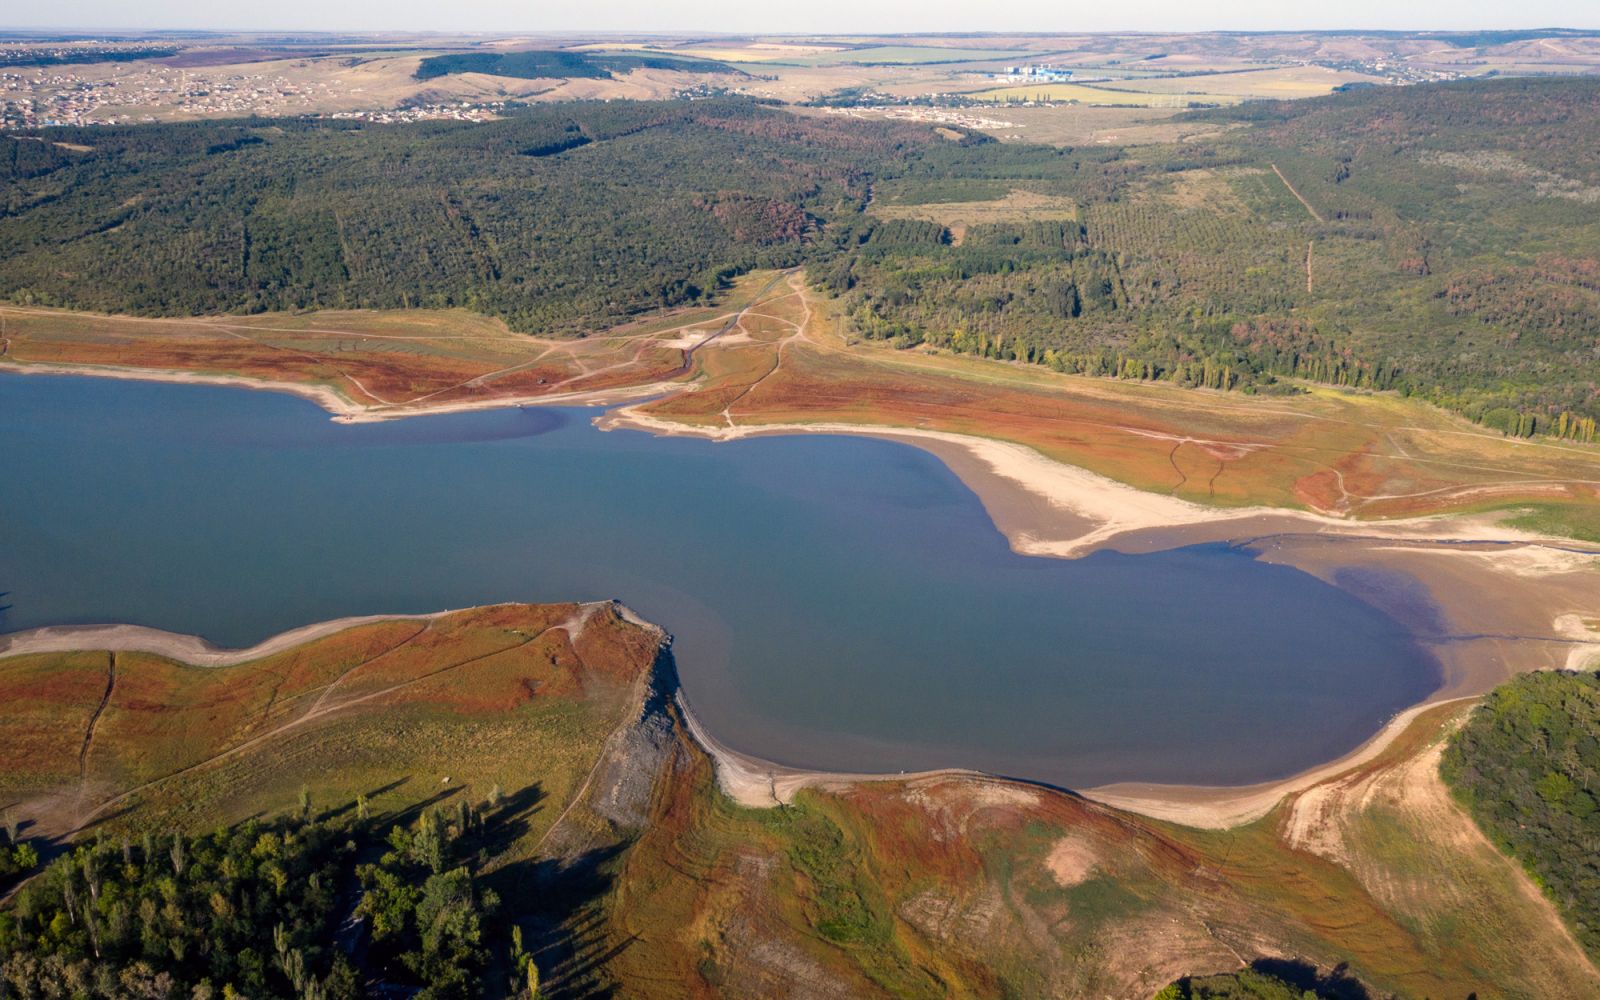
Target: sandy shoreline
column 1049, row 508
column 175, row 646
column 1220, row 807
column 750, row 780
column 342, row 408
column 1046, row 508
column 1498, row 626
column 756, row 783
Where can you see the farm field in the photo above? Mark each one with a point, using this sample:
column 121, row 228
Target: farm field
column 1106, row 96
column 232, row 74
column 904, row 55
column 1271, row 84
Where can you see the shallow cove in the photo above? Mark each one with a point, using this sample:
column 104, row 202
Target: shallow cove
column 838, row 602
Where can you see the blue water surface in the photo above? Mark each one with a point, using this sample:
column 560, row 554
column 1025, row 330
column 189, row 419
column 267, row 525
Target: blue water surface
column 837, row 602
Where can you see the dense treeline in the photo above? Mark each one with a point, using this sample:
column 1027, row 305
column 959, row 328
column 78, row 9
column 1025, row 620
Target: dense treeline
column 277, row 908
column 1448, row 246
column 559, row 64
column 558, row 219
column 1527, row 767
column 69, row 56
column 17, row 856
column 1438, row 241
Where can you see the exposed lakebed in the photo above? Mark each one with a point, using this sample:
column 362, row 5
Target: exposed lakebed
column 838, row 602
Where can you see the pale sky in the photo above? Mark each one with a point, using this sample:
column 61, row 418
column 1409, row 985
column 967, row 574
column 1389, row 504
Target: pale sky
column 821, row 16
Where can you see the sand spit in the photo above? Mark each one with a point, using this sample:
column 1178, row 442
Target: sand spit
column 1049, row 508
column 1497, row 601
column 184, row 648
column 343, row 409
column 195, row 651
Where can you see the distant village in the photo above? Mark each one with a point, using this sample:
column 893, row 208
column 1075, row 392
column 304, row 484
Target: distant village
column 1034, row 74
column 45, row 97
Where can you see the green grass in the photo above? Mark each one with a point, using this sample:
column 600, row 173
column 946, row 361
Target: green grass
column 1569, row 520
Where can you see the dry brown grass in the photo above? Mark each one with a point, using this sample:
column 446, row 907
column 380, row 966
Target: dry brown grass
column 973, row 887
column 956, row 216
column 499, row 695
column 376, row 359
column 1360, row 454
column 1341, row 452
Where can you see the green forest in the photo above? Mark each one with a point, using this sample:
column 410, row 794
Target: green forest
column 66, row 56
column 1447, row 246
column 560, row 64
column 561, row 220
column 1441, row 241
column 317, row 908
column 1527, row 767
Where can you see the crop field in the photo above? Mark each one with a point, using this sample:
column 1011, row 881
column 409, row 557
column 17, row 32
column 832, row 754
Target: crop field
column 1275, row 83
column 903, row 55
column 755, row 52
column 1064, row 93
column 1091, row 125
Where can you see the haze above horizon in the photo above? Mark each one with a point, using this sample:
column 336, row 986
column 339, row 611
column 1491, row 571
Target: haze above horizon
column 820, row 16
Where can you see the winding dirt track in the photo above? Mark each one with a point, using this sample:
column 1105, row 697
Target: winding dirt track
column 321, row 709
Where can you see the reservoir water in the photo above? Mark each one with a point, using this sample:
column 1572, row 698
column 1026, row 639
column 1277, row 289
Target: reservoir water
column 837, row 602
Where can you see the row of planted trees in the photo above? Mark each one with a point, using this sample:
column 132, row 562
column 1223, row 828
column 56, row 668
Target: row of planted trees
column 296, row 906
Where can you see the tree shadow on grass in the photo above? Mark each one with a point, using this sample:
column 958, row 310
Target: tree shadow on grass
column 558, row 904
column 1335, row 985
column 556, row 901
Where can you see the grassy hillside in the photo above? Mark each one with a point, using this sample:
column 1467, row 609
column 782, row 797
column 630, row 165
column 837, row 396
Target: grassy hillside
column 402, row 712
column 210, row 826
column 517, row 778
column 966, row 887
